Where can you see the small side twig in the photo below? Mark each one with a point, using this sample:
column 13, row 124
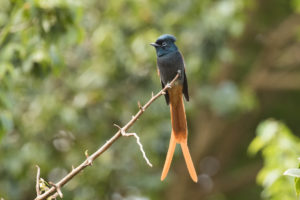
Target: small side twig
column 56, row 188
column 140, row 107
column 137, row 141
column 37, row 186
column 88, row 161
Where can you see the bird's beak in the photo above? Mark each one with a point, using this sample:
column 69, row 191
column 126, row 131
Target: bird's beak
column 154, row 44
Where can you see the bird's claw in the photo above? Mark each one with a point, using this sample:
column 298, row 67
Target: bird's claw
column 179, row 73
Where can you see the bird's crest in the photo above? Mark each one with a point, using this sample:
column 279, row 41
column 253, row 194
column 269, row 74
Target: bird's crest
column 165, row 37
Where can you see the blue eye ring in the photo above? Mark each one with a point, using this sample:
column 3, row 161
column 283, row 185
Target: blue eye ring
column 164, row 44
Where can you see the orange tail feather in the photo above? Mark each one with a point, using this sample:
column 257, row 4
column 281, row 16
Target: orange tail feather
column 189, row 162
column 169, row 158
column 179, row 133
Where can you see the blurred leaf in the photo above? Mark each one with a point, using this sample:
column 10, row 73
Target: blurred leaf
column 296, row 5
column 6, row 122
column 265, row 133
column 280, row 148
column 226, row 98
column 297, row 185
column 293, row 172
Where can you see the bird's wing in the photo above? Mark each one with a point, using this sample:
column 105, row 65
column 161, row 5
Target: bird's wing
column 185, row 89
column 167, row 94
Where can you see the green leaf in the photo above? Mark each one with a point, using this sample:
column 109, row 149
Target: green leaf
column 294, row 172
column 266, row 131
column 255, row 146
column 297, row 186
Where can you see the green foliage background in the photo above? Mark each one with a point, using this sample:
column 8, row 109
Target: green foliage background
column 70, row 69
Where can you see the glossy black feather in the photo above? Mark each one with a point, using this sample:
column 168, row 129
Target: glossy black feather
column 169, row 61
column 185, row 89
column 167, row 94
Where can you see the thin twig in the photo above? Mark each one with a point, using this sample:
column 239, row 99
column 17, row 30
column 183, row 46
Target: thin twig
column 104, row 147
column 137, row 141
column 37, row 186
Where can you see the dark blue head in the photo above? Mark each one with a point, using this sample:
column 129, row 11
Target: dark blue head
column 164, row 45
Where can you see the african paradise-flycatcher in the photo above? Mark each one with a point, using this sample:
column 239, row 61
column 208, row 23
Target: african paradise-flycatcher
column 169, row 62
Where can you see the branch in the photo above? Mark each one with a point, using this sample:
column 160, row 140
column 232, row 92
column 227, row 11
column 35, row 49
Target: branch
column 55, row 189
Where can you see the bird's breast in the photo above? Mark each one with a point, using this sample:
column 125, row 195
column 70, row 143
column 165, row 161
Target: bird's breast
column 169, row 65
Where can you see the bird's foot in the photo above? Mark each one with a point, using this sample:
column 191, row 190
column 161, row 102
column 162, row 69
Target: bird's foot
column 179, row 72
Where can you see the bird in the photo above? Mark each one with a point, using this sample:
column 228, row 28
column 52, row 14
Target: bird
column 169, row 63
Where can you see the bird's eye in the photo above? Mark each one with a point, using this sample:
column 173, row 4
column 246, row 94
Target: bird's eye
column 164, row 44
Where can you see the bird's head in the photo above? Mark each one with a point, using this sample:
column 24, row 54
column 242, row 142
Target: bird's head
column 164, row 45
